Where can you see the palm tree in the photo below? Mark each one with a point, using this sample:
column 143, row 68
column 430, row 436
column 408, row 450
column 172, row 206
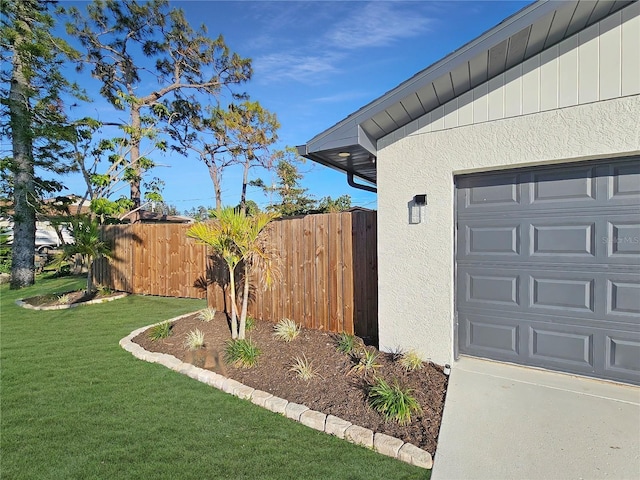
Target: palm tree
column 236, row 238
column 256, row 256
column 86, row 233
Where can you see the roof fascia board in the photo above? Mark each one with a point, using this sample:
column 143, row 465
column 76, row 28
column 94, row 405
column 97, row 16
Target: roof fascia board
column 366, row 142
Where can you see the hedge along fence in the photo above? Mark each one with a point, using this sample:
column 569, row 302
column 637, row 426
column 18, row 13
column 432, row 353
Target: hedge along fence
column 327, row 270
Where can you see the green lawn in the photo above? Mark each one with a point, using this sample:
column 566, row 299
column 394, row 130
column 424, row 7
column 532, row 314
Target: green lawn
column 74, row 405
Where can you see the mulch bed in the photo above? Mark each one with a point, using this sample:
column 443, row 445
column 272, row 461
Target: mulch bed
column 334, row 391
column 68, row 298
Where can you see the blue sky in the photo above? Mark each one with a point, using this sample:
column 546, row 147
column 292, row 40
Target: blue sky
column 315, row 63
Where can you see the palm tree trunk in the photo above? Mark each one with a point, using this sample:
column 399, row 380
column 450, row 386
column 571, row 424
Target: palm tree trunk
column 245, row 301
column 89, row 275
column 234, row 313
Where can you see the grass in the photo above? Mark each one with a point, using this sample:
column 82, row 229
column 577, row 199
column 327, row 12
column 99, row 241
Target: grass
column 77, row 406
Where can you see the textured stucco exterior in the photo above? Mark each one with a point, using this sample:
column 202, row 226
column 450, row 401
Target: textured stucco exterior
column 416, row 264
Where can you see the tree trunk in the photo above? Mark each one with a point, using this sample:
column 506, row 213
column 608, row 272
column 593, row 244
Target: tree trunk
column 215, row 178
column 24, row 217
column 243, row 194
column 90, row 286
column 234, row 313
column 136, row 125
column 245, row 301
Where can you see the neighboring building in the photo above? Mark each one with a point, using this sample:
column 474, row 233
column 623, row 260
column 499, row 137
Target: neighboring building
column 526, row 142
column 47, row 234
column 153, row 217
column 57, row 210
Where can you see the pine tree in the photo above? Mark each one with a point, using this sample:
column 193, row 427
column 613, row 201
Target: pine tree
column 144, row 54
column 32, row 91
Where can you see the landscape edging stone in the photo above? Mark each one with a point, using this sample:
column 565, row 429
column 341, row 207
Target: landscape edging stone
column 21, row 303
column 386, row 445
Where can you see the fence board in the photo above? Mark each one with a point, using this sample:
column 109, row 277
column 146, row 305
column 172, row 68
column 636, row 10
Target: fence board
column 327, row 270
column 322, row 270
column 309, row 247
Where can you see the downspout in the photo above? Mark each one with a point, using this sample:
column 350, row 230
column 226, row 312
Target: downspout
column 353, row 184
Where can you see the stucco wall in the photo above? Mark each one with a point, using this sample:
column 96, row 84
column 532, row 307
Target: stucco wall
column 596, row 64
column 416, row 262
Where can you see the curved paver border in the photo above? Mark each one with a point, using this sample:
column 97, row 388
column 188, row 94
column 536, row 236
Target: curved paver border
column 379, row 442
column 21, row 303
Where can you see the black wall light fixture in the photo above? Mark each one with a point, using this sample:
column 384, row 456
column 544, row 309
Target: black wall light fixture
column 418, row 209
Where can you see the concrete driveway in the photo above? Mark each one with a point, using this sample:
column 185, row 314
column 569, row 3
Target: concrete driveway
column 508, row 422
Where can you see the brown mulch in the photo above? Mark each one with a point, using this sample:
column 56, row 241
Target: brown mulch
column 334, row 391
column 67, row 298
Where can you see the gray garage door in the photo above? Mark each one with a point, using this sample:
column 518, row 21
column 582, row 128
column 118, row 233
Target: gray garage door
column 548, row 267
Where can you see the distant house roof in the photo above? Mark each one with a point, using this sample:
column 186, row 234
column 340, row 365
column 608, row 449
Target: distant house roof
column 152, row 217
column 350, row 145
column 60, row 206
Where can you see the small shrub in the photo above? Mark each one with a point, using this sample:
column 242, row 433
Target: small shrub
column 345, row 343
column 161, row 330
column 207, row 314
column 366, row 362
column 303, row 368
column 286, row 329
column 250, row 324
column 411, row 361
column 241, row 353
column 195, row 340
column 104, row 290
column 393, row 401
column 63, row 299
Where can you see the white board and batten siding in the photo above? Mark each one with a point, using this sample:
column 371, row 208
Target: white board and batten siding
column 599, row 63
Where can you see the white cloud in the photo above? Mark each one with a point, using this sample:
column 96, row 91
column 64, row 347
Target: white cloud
column 311, row 58
column 309, row 69
column 378, row 24
column 341, row 97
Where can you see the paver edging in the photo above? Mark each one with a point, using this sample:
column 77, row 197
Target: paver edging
column 379, row 442
column 21, row 303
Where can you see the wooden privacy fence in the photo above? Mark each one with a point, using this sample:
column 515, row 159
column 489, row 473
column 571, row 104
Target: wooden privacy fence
column 328, row 275
column 153, row 259
column 327, row 266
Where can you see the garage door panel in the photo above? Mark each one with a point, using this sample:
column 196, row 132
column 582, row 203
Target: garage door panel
column 548, row 270
column 623, row 355
column 623, row 299
column 562, row 237
column 576, row 186
column 558, row 294
column 552, row 345
column 624, row 181
column 623, row 239
column 492, row 336
column 493, row 240
column 504, row 195
column 489, row 290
